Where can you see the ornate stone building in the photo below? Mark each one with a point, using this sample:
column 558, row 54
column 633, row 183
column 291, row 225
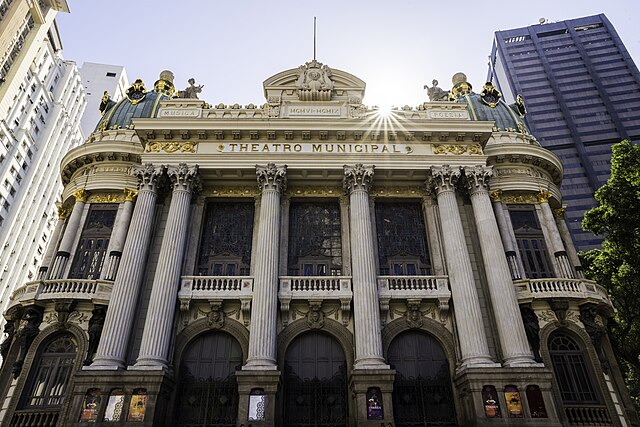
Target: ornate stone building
column 311, row 262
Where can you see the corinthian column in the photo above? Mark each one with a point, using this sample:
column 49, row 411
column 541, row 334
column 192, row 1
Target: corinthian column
column 555, row 241
column 156, row 336
column 126, row 287
column 262, row 337
column 119, row 235
column 64, row 250
column 513, row 339
column 474, row 351
column 53, row 241
column 366, row 306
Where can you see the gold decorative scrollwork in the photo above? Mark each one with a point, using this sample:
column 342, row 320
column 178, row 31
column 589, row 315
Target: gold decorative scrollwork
column 520, row 199
column 496, row 195
column 408, row 191
column 543, row 196
column 457, row 149
column 171, row 147
column 309, row 191
column 63, row 213
column 106, row 198
column 81, row 195
column 239, row 191
column 559, row 213
column 130, row 195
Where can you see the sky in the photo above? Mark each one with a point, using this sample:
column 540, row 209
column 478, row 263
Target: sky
column 232, row 46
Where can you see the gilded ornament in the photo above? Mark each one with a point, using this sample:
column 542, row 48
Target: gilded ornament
column 81, row 195
column 409, row 191
column 313, row 191
column 457, row 149
column 490, row 95
column 559, row 212
column 136, row 92
column 130, row 195
column 106, row 198
column 520, row 199
column 543, row 196
column 171, row 147
column 245, row 191
column 496, row 195
column 63, row 213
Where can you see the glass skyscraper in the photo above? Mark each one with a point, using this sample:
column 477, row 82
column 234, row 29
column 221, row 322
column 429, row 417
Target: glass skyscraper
column 582, row 93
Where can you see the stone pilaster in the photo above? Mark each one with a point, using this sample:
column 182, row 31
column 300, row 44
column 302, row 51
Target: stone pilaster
column 126, row 287
column 555, row 241
column 262, row 339
column 507, row 236
column 504, row 301
column 474, row 351
column 158, row 326
column 73, row 224
column 53, row 241
column 118, row 236
column 357, row 181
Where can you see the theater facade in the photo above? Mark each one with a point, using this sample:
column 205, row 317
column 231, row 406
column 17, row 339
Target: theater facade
column 310, row 262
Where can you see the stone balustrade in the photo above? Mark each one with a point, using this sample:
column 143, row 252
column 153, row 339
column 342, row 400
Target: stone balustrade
column 216, row 288
column 97, row 291
column 548, row 288
column 592, row 415
column 414, row 288
column 35, row 417
column 315, row 288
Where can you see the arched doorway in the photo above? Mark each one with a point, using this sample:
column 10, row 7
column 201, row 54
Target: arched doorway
column 207, row 388
column 315, row 382
column 422, row 391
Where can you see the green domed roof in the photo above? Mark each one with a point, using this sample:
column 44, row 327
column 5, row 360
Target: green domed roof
column 488, row 105
column 137, row 104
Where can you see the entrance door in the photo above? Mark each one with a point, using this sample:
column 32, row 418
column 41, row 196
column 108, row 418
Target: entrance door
column 422, row 393
column 208, row 392
column 315, row 383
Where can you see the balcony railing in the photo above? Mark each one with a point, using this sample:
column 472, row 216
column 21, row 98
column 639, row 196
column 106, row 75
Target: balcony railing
column 414, row 288
column 587, row 415
column 552, row 288
column 33, row 417
column 217, row 288
column 315, row 288
column 97, row 291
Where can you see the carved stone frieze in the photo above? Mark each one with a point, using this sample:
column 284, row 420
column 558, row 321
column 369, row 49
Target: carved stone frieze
column 311, row 191
column 106, row 198
column 272, row 177
column 358, row 177
column 457, row 149
column 408, row 191
column 171, row 147
column 238, row 191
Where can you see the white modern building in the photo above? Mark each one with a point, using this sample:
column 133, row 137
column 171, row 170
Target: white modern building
column 98, row 78
column 41, row 103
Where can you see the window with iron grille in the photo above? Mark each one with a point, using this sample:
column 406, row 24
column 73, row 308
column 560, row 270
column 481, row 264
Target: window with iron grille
column 94, row 241
column 225, row 245
column 51, row 373
column 531, row 243
column 315, row 239
column 571, row 371
column 402, row 244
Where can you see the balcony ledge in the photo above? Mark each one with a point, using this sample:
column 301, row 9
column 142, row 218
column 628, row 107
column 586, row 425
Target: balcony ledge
column 581, row 290
column 96, row 291
column 315, row 288
column 415, row 288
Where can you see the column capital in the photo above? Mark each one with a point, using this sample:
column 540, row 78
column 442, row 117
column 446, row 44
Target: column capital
column 63, row 212
column 559, row 212
column 81, row 195
column 130, row 195
column 442, row 178
column 184, row 177
column 358, row 177
column 272, row 177
column 148, row 176
column 543, row 196
column 478, row 178
column 496, row 195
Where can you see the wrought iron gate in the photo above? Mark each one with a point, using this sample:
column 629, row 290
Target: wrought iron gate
column 207, row 402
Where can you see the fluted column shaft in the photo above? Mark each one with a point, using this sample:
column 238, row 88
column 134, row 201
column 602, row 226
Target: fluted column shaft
column 504, row 301
column 474, row 350
column 262, row 338
column 118, row 237
column 366, row 306
column 53, row 241
column 156, row 336
column 126, row 287
column 64, row 250
column 559, row 252
column 561, row 223
column 506, row 234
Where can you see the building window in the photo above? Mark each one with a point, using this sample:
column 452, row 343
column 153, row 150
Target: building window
column 315, row 239
column 52, row 373
column 570, row 369
column 111, row 74
column 402, row 245
column 225, row 246
column 531, row 244
column 94, row 241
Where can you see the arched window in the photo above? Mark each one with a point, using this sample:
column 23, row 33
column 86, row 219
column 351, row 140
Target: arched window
column 571, row 371
column 208, row 391
column 51, row 373
column 315, row 382
column 422, row 391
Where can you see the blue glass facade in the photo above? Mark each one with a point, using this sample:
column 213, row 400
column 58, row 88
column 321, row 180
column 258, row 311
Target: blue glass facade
column 582, row 92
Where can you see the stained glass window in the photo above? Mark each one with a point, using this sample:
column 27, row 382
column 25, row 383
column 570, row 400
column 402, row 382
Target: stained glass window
column 315, row 239
column 94, row 241
column 531, row 244
column 402, row 244
column 225, row 246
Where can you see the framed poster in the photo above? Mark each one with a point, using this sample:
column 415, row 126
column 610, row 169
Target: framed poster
column 113, row 412
column 90, row 406
column 138, row 405
column 536, row 402
column 514, row 402
column 257, row 405
column 490, row 401
column 375, row 410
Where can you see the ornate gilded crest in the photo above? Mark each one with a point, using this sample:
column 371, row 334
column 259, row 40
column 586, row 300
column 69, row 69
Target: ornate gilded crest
column 490, row 95
column 136, row 92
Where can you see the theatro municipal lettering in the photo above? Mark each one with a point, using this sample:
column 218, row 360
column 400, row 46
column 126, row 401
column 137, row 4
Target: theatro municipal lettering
column 314, row 148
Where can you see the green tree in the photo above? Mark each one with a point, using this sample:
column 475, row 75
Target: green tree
column 617, row 265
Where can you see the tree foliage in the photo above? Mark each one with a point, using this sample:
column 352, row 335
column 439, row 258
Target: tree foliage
column 617, row 265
